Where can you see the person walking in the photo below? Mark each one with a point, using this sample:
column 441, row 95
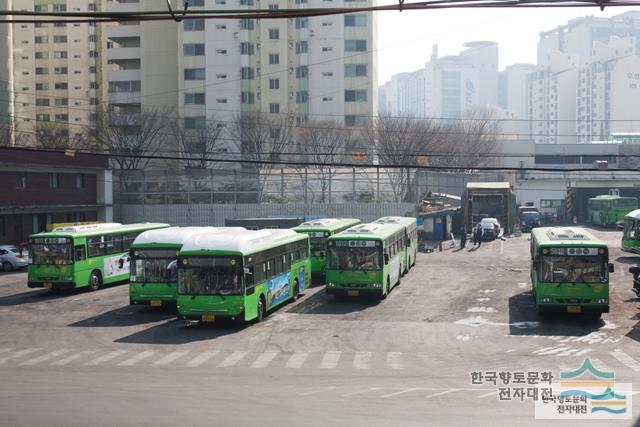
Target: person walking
column 480, row 233
column 463, row 238
column 477, row 235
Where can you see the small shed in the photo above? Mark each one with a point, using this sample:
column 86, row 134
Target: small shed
column 436, row 225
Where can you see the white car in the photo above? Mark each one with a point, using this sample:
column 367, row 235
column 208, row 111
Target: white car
column 12, row 257
column 490, row 227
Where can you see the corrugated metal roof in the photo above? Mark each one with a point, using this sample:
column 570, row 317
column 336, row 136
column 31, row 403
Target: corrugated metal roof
column 489, row 185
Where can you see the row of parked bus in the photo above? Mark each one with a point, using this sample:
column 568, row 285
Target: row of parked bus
column 211, row 272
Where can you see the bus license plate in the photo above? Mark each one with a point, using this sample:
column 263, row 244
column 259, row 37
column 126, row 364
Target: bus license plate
column 48, row 285
column 208, row 318
column 353, row 293
column 155, row 303
column 574, row 309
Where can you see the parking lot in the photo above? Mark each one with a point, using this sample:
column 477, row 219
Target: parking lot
column 319, row 359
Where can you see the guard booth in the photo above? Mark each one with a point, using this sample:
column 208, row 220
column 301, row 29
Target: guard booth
column 579, row 193
column 489, row 200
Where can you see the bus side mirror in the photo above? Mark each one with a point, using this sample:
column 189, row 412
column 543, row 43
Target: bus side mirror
column 634, row 270
column 172, row 265
column 386, row 259
column 611, row 268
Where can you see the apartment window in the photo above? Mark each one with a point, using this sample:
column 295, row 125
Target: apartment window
column 54, row 180
column 42, row 86
column 194, row 3
column 355, row 70
column 194, row 98
column 42, row 70
column 274, row 33
column 247, row 98
column 61, row 70
column 81, row 181
column 61, row 102
column 274, row 83
column 193, row 25
column 274, row 107
column 247, row 73
column 221, row 51
column 93, row 69
column 302, row 72
column 42, row 117
column 21, row 180
column 246, row 2
column 59, row 39
column 247, row 24
column 60, row 54
column 42, row 39
column 92, row 38
column 273, row 6
column 221, row 100
column 301, row 1
column 193, row 49
column 62, row 117
column 355, row 45
column 302, row 46
column 221, row 27
column 39, row 25
column 42, row 55
column 42, row 102
column 93, row 85
column 61, row 86
column 59, row 7
column 91, row 7
column 221, row 2
column 195, row 122
column 246, row 48
column 59, row 24
column 302, row 96
column 327, row 24
column 302, row 22
column 41, row 8
column 359, row 95
column 327, row 49
column 274, row 58
column 327, row 74
column 352, row 120
column 221, row 76
column 357, row 20
column 194, row 74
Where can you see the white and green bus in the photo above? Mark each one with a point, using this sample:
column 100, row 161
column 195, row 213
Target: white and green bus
column 241, row 274
column 319, row 231
column 83, row 255
column 410, row 226
column 631, row 233
column 366, row 260
column 154, row 255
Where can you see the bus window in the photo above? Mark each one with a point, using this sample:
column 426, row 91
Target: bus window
column 79, row 253
column 95, row 246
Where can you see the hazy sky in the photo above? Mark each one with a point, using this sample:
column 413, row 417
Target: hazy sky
column 405, row 39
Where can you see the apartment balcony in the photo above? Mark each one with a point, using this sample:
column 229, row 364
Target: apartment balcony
column 123, row 7
column 125, row 98
column 124, row 75
column 123, row 31
column 123, row 53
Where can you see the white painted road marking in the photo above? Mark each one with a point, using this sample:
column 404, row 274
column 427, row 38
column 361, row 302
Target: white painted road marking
column 296, row 360
column 232, row 359
column 137, row 358
column 394, row 360
column 19, row 354
column 45, row 357
column 442, row 393
column 6, row 350
column 73, row 357
column 106, row 357
column 366, row 390
column 171, row 357
column 330, row 359
column 309, row 393
column 397, row 393
column 626, row 359
column 200, row 359
column 264, row 359
column 362, row 359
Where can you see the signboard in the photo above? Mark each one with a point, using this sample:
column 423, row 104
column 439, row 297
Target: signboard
column 356, row 243
column 574, row 251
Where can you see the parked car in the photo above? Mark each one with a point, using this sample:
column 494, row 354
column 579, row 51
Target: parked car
column 636, row 280
column 490, row 228
column 13, row 257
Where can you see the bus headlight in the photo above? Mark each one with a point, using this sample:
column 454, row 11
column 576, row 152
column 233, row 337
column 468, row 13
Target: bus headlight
column 331, row 285
column 376, row 285
column 545, row 299
column 602, row 301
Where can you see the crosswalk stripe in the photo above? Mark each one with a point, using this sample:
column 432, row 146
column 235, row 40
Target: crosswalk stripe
column 137, row 358
column 442, row 393
column 169, row 358
column 581, row 352
column 555, row 350
column 397, row 393
column 73, row 357
column 200, row 359
column 264, row 359
column 394, row 360
column 568, row 352
column 20, row 353
column 296, row 360
column 232, row 359
column 626, row 359
column 330, row 359
column 362, row 359
column 45, row 357
column 106, row 357
column 542, row 349
column 366, row 390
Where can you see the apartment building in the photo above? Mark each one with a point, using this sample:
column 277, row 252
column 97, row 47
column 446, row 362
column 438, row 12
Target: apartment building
column 54, row 73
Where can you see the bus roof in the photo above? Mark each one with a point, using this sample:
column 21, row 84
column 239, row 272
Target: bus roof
column 400, row 220
column 243, row 241
column 97, row 229
column 611, row 197
column 174, row 235
column 633, row 214
column 330, row 224
column 559, row 236
column 371, row 230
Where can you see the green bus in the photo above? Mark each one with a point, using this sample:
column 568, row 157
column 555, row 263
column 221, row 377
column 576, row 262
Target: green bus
column 82, row 255
column 365, row 260
column 631, row 233
column 410, row 226
column 154, row 255
column 569, row 271
column 241, row 274
column 318, row 231
column 606, row 211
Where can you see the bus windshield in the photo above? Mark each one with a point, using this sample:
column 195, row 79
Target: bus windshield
column 626, row 202
column 317, row 243
column 210, row 276
column 51, row 253
column 346, row 258
column 574, row 269
column 153, row 266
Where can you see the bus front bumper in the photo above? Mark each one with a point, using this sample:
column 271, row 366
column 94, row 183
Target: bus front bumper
column 52, row 285
column 575, row 308
column 354, row 290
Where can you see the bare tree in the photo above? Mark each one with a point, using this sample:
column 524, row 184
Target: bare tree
column 323, row 143
column 262, row 139
column 7, row 131
column 52, row 135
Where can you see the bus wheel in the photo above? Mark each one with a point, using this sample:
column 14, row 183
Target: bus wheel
column 7, row 267
column 95, row 281
column 260, row 310
column 296, row 289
